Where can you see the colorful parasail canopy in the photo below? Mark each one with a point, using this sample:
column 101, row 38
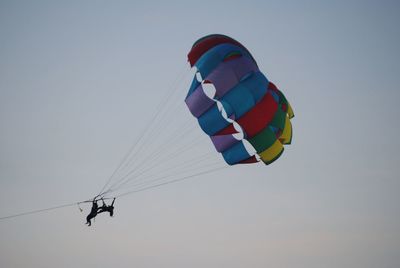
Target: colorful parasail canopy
column 248, row 99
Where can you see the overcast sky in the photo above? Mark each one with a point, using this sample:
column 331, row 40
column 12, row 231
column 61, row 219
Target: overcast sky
column 81, row 80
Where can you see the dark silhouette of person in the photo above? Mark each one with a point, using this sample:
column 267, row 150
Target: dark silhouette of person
column 105, row 208
column 93, row 213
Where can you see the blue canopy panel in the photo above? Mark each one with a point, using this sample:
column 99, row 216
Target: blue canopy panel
column 213, row 57
column 257, row 84
column 244, row 96
column 212, row 120
column 236, row 154
column 239, row 99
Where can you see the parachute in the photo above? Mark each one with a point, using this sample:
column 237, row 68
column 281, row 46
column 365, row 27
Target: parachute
column 247, row 117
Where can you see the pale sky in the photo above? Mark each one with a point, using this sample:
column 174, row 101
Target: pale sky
column 79, row 83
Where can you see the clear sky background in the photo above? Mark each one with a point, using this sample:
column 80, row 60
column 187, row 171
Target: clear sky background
column 79, row 81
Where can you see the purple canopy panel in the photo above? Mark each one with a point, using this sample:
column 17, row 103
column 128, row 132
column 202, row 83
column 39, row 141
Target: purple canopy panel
column 223, row 78
column 223, row 142
column 198, row 102
column 228, row 74
column 244, row 67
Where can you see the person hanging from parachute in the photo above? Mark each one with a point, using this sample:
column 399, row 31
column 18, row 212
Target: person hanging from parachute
column 105, row 208
column 93, row 212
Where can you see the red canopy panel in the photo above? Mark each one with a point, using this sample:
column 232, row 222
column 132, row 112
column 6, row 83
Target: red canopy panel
column 202, row 45
column 256, row 119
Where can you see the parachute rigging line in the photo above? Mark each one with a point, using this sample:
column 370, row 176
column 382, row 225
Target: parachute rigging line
column 121, row 195
column 155, row 136
column 159, row 108
column 205, row 167
column 172, row 181
column 41, row 210
column 154, row 156
column 140, row 169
